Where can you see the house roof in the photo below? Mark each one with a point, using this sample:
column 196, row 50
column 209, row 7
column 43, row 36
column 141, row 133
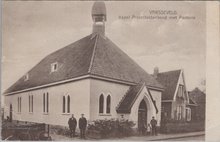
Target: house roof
column 91, row 55
column 197, row 96
column 169, row 80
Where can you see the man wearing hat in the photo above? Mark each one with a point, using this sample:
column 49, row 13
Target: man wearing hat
column 153, row 123
column 72, row 125
column 82, row 126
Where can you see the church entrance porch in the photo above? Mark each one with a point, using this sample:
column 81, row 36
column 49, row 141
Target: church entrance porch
column 142, row 117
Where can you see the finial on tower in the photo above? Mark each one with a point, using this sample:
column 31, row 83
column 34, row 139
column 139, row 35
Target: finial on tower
column 99, row 17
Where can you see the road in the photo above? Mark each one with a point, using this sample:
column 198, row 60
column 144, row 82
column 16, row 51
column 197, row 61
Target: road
column 196, row 138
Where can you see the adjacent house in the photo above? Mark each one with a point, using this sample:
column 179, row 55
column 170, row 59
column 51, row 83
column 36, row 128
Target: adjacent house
column 95, row 77
column 199, row 98
column 175, row 99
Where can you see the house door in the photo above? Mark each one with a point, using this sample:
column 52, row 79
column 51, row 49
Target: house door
column 10, row 115
column 142, row 115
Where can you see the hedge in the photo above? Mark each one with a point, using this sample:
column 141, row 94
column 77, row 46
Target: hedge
column 183, row 127
column 110, row 128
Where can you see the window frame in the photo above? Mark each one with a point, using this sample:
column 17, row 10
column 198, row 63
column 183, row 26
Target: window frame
column 54, row 67
column 101, row 104
column 108, row 104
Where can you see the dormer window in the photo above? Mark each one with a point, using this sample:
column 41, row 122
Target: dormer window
column 54, row 67
column 26, row 77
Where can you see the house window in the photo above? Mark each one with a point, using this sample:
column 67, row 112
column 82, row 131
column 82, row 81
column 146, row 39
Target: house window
column 54, row 67
column 188, row 114
column 179, row 112
column 101, row 103
column 46, row 102
column 68, row 104
column 181, row 91
column 108, row 107
column 31, row 103
column 64, row 104
column 19, row 104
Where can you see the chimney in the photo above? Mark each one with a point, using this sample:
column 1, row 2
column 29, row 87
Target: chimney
column 156, row 71
column 99, row 17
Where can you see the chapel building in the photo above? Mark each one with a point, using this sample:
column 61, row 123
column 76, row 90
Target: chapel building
column 92, row 76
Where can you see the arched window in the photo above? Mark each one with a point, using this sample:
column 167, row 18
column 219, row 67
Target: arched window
column 101, row 103
column 29, row 103
column 108, row 105
column 47, row 102
column 44, row 103
column 68, row 104
column 64, row 103
column 20, row 104
column 32, row 103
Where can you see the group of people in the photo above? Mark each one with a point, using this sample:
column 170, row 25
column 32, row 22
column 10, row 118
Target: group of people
column 150, row 128
column 82, row 126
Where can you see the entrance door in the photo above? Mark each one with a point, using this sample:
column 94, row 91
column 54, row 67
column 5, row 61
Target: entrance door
column 10, row 115
column 142, row 115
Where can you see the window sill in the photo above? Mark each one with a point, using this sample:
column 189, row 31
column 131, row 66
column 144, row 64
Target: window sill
column 18, row 112
column 30, row 112
column 66, row 113
column 45, row 113
column 104, row 114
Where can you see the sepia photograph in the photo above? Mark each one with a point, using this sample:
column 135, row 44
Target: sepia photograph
column 103, row 70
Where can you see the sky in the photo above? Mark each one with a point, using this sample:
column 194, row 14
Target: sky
column 32, row 30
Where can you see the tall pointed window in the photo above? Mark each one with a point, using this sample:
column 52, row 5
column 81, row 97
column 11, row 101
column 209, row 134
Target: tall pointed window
column 47, row 102
column 68, row 104
column 64, row 104
column 101, row 103
column 29, row 102
column 32, row 103
column 108, row 105
column 19, row 104
column 44, row 110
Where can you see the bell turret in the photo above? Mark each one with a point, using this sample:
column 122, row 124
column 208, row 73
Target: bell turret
column 99, row 17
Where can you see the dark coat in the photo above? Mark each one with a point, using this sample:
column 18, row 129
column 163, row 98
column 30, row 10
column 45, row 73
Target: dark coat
column 82, row 123
column 153, row 122
column 72, row 122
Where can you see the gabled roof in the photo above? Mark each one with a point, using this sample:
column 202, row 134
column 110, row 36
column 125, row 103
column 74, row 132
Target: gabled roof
column 127, row 101
column 130, row 97
column 91, row 55
column 169, row 80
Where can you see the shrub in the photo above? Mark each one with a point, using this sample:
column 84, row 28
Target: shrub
column 110, row 128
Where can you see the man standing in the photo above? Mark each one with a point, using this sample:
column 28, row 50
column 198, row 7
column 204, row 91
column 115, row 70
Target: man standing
column 82, row 126
column 72, row 125
column 153, row 123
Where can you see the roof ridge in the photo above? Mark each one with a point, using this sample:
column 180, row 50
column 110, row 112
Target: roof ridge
column 93, row 53
column 169, row 71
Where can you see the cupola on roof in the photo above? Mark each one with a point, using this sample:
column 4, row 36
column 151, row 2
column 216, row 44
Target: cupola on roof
column 99, row 9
